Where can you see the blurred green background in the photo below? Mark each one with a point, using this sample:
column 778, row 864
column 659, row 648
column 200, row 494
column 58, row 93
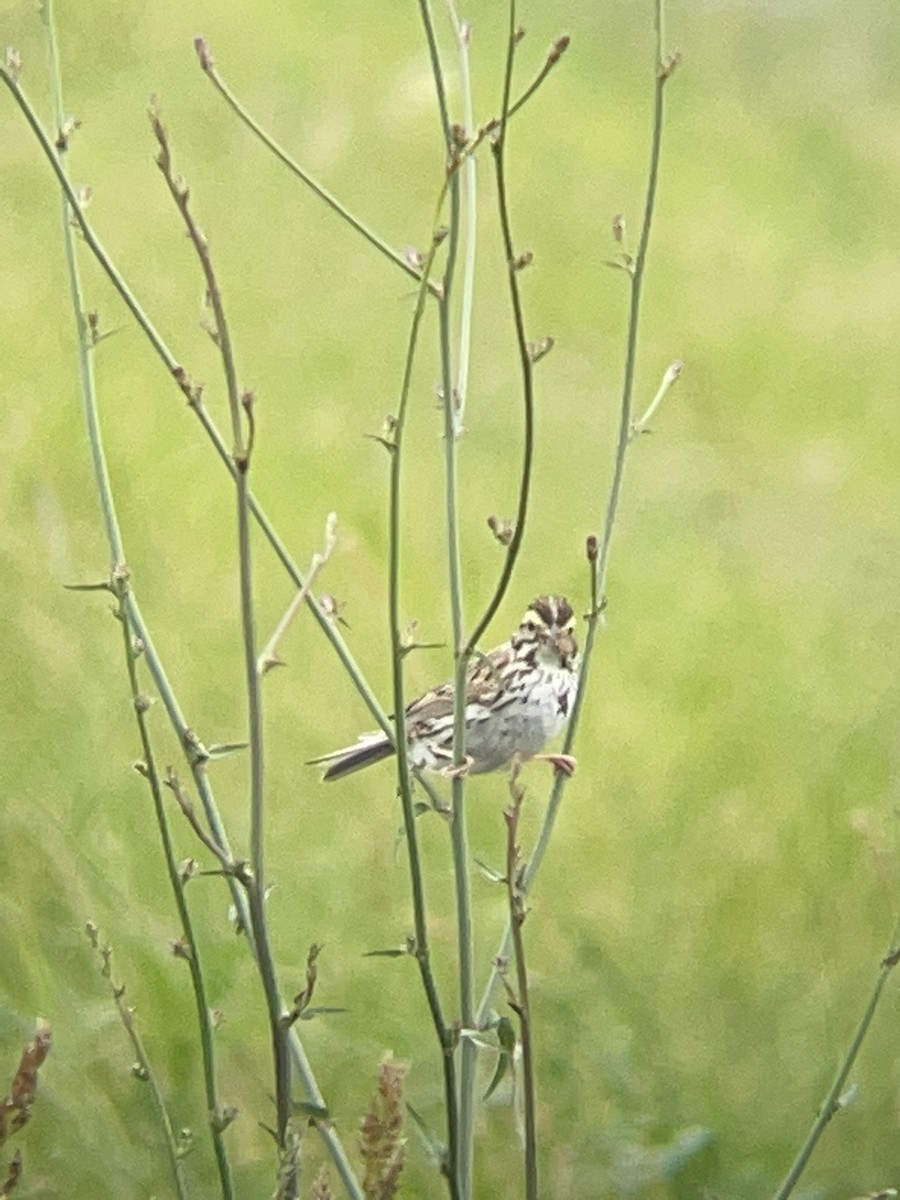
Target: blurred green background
column 723, row 880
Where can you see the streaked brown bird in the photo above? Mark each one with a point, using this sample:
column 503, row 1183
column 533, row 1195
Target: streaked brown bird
column 518, row 698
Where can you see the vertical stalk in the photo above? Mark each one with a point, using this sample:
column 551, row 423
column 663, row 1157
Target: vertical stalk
column 445, row 1035
column 143, row 1068
column 599, row 556
column 498, row 148
column 832, row 1102
column 663, row 72
column 463, row 1149
column 119, row 583
column 241, row 455
column 462, row 33
column 469, row 1017
column 519, row 998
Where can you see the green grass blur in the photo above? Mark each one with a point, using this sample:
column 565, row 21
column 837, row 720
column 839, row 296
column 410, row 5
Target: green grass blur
column 723, row 881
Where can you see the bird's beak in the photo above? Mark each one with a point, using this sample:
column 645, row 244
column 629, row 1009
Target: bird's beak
column 566, row 647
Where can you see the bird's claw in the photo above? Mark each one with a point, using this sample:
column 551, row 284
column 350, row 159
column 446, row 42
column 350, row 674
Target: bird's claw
column 460, row 771
column 565, row 764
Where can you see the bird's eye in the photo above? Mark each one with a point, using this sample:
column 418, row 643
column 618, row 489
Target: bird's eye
column 529, row 626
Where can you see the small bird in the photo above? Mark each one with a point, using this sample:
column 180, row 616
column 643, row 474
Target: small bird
column 518, row 698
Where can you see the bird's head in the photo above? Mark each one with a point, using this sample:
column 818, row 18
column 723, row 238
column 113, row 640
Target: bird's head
column 549, row 624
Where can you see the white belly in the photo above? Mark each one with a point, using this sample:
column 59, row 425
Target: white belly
column 520, row 728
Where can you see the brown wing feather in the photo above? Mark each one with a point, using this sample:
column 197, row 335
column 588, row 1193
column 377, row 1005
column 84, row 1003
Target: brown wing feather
column 483, row 681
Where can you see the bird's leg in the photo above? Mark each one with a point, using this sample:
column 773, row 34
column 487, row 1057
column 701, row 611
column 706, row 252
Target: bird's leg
column 461, row 771
column 515, row 768
column 564, row 763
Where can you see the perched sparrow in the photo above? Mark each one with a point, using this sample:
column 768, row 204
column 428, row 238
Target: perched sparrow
column 518, row 698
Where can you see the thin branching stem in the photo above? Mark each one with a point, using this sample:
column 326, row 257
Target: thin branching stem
column 197, row 759
column 189, row 949
column 832, row 1102
column 598, row 555
column 636, row 277
column 671, row 377
column 323, row 619
column 268, row 656
column 143, row 1068
column 464, row 649
column 437, row 70
column 240, row 110
column 459, row 838
column 498, row 147
column 462, row 1151
column 519, row 1000
column 420, row 911
column 462, row 32
column 555, row 53
column 241, row 457
column 194, row 751
column 121, row 587
column 85, row 357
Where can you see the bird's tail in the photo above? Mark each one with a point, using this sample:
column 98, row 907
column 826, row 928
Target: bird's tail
column 370, row 749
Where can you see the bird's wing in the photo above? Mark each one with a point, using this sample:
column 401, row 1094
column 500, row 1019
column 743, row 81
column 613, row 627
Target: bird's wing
column 484, row 681
column 433, row 706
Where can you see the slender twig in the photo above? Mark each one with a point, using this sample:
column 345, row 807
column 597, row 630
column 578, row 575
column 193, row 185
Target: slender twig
column 554, row 54
column 519, row 999
column 194, row 397
column 445, row 1035
column 462, row 1150
column 229, row 865
column 268, row 656
column 663, row 71
column 465, row 649
column 459, row 840
column 193, row 748
column 832, row 1102
column 498, row 147
column 119, row 582
column 672, row 375
column 85, row 358
column 207, row 63
column 197, row 758
column 219, row 1116
column 241, row 456
column 462, row 31
column 598, row 553
column 142, row 1069
column 437, row 71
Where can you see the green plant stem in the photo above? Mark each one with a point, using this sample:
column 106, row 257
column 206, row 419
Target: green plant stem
column 520, row 1001
column 323, row 620
column 549, row 821
column 463, row 1148
column 193, row 749
column 197, row 759
column 831, row 1104
column 470, row 228
column 420, row 911
column 459, row 840
column 637, row 288
column 673, row 373
column 144, row 1068
column 437, row 71
column 188, row 940
column 241, row 455
column 498, row 147
column 117, row 553
column 599, row 562
column 465, row 649
column 206, row 62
